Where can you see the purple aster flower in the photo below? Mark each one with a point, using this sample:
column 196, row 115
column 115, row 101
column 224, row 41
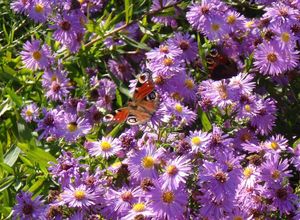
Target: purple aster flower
column 176, row 172
column 106, row 147
column 30, row 112
column 249, row 177
column 167, row 67
column 121, row 69
column 281, row 14
column 177, row 114
column 234, row 20
column 221, row 94
column 296, row 156
column 120, row 202
column 198, row 140
column 81, row 196
column 50, row 123
column 218, row 142
column 246, row 108
column 285, row 38
column 276, row 144
column 274, row 170
column 200, row 13
column 141, row 163
column 218, row 180
column 105, row 94
column 187, row 44
column 75, row 106
column 157, row 5
column 66, row 28
column 139, row 210
column 35, row 56
column 168, row 203
column 28, row 208
column 273, row 61
column 56, row 84
column 165, row 50
column 20, row 6
column 73, row 127
column 265, row 119
column 281, row 198
column 242, row 83
column 243, row 136
column 39, row 10
column 66, row 168
column 214, row 209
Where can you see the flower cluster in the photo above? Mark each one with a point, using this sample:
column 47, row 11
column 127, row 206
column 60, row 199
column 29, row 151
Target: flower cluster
column 209, row 151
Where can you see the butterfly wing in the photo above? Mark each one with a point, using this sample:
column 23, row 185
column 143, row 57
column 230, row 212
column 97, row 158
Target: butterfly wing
column 220, row 66
column 144, row 104
column 143, row 88
column 119, row 116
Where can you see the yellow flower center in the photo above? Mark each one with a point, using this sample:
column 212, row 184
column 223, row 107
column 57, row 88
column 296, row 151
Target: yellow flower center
column 285, row 37
column 248, row 172
column 249, row 24
column 272, row 57
column 237, row 218
column 172, row 170
column 164, row 49
column 28, row 112
column 148, row 162
column 168, row 197
column 39, row 8
column 81, row 1
column 53, row 78
column 276, row 174
column 215, row 27
column 189, row 84
column 196, row 140
column 247, row 108
column 167, row 61
column 274, row 145
column 178, row 107
column 72, row 126
column 231, row 19
column 36, row 55
column 105, row 145
column 139, row 207
column 79, row 194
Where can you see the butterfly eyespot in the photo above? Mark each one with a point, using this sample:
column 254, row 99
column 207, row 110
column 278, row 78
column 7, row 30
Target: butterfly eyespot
column 108, row 118
column 214, row 52
column 143, row 77
column 209, row 60
column 151, row 96
column 132, row 120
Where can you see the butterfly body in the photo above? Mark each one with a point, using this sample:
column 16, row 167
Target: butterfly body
column 220, row 66
column 141, row 108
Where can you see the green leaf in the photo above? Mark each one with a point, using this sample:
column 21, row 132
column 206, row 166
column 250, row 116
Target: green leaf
column 205, row 121
column 37, row 155
column 116, row 130
column 14, row 97
column 128, row 10
column 4, row 107
column 37, row 185
column 7, row 168
column 6, row 182
column 119, row 98
column 136, row 44
column 12, row 155
column 24, row 131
